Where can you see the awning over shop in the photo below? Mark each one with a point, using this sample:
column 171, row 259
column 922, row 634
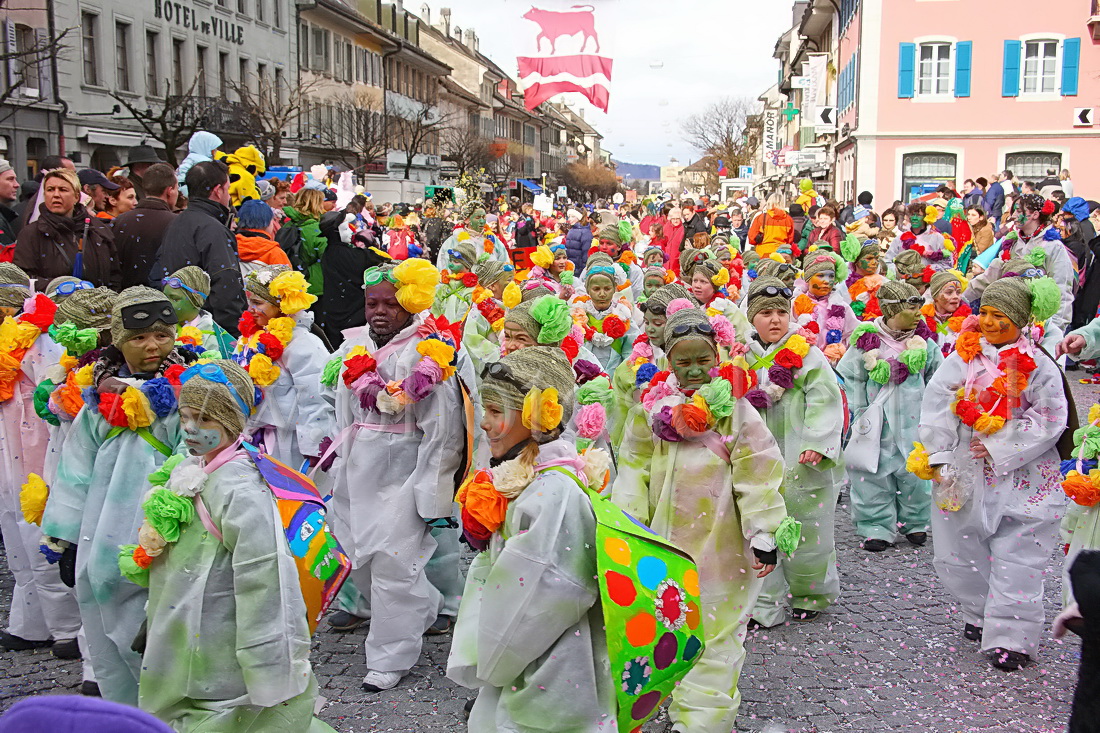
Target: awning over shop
column 529, row 185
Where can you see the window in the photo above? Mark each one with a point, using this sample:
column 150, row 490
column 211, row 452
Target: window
column 223, row 74
column 21, row 39
column 177, row 65
column 349, row 64
column 278, row 86
column 303, row 45
column 319, row 55
column 88, row 23
column 934, row 73
column 924, row 172
column 261, row 77
column 152, row 74
column 260, row 11
column 528, row 135
column 242, row 75
column 242, row 6
column 200, row 69
column 1032, row 166
column 277, row 13
column 1040, row 67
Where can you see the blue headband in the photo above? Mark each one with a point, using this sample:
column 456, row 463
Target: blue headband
column 214, row 373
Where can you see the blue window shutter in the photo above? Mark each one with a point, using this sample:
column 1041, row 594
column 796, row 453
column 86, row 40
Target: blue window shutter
column 1010, row 79
column 963, row 54
column 907, row 70
column 1071, row 66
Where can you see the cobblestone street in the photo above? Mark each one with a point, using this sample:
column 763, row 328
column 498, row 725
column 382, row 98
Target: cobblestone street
column 889, row 656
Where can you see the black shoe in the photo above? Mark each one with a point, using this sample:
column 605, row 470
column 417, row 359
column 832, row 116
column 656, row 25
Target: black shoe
column 89, row 688
column 67, row 649
column 344, row 621
column 876, row 545
column 469, row 707
column 917, row 538
column 801, row 614
column 1008, row 660
column 441, row 625
column 972, row 632
column 14, row 643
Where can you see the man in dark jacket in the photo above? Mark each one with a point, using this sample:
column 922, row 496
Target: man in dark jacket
column 138, row 160
column 9, row 219
column 694, row 222
column 994, row 203
column 200, row 236
column 578, row 240
column 140, row 231
column 526, row 235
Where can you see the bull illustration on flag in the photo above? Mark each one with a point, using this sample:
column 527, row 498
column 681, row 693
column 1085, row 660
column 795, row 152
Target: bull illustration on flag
column 546, row 76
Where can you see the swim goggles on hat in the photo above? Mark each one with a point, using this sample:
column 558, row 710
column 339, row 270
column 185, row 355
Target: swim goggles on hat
column 683, row 329
column 1030, row 272
column 144, row 315
column 771, row 291
column 503, row 373
column 601, row 270
column 916, row 300
column 214, row 373
column 171, row 282
column 454, row 254
column 375, row 275
column 68, row 287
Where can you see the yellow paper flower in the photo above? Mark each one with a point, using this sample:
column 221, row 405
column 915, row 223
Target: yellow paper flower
column 439, row 352
column 417, row 280
column 8, row 328
column 356, row 351
column 190, row 335
column 263, row 371
column 722, row 278
column 712, row 312
column 512, row 296
column 479, row 295
column 798, row 345
column 1094, row 413
column 542, row 412
column 498, row 325
column 280, row 328
column 67, row 362
column 25, row 334
column 83, row 376
column 917, row 463
column 462, row 236
column 139, row 413
column 32, row 499
column 292, row 290
column 988, row 424
column 542, row 256
column 699, row 402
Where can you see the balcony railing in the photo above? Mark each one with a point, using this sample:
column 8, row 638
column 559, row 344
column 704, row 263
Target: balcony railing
column 211, row 113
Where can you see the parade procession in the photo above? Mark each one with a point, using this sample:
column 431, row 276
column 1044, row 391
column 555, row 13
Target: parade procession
column 365, row 386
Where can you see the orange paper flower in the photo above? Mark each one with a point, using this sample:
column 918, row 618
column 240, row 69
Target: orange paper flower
column 482, row 501
column 1081, row 489
column 1012, row 384
column 803, row 305
column 141, row 559
column 969, row 345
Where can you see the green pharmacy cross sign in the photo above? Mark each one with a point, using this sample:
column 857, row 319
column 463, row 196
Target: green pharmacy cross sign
column 791, row 112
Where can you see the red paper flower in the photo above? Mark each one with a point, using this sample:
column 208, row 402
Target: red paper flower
column 357, row 366
column 571, row 348
column 788, row 358
column 1048, row 207
column 469, row 280
column 907, row 238
column 272, row 347
column 44, row 310
column 172, row 374
column 813, row 326
column 247, row 324
column 110, row 407
column 927, row 274
column 642, row 339
column 968, row 412
column 613, row 327
column 1016, row 359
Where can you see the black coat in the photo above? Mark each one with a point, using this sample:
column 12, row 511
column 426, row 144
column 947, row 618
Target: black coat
column 47, row 248
column 138, row 236
column 342, row 266
column 199, row 235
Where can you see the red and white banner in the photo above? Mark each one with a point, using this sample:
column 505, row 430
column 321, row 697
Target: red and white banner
column 568, row 35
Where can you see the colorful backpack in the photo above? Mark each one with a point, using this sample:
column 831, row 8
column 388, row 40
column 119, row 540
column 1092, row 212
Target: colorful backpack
column 649, row 591
column 322, row 564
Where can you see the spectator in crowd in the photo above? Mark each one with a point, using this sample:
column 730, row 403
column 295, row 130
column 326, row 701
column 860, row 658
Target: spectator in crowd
column 693, row 222
column 772, row 228
column 525, row 228
column 9, row 218
column 994, row 203
column 1050, row 184
column 200, row 236
column 138, row 160
column 738, row 225
column 96, row 186
column 66, row 238
column 578, row 240
column 1067, row 183
column 305, row 216
column 433, row 230
column 975, row 191
column 256, row 245
column 140, row 231
column 119, row 201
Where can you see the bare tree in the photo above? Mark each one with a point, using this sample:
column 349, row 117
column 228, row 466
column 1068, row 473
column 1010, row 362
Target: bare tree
column 24, row 63
column 173, row 121
column 719, row 131
column 268, row 109
column 413, row 126
column 467, row 149
column 356, row 134
column 595, row 181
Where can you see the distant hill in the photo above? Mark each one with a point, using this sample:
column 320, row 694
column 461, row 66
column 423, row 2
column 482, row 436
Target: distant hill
column 638, row 171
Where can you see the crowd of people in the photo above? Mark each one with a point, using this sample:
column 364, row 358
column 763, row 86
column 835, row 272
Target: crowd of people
column 222, row 412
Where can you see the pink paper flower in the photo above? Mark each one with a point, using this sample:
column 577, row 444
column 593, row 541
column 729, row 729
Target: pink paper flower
column 591, row 420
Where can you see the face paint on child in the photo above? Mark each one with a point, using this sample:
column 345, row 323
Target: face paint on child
column 867, row 265
column 201, row 436
column 997, row 328
column 691, row 362
column 821, row 284
column 503, row 428
column 947, row 302
column 655, row 327
column 185, row 309
column 906, row 319
column 601, row 289
column 514, row 338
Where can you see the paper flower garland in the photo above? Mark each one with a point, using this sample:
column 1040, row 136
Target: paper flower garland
column 867, row 338
column 17, row 336
column 988, row 410
column 782, row 366
column 258, row 350
column 1080, row 477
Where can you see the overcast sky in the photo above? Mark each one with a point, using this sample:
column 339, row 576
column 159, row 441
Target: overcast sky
column 672, row 58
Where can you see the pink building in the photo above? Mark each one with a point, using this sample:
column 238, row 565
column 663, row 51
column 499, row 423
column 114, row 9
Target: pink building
column 933, row 91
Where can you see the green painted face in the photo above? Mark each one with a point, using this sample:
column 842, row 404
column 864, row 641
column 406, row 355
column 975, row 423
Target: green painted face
column 477, row 220
column 185, row 309
column 654, row 327
column 691, row 362
column 868, row 264
column 917, row 221
column 906, row 320
column 651, row 284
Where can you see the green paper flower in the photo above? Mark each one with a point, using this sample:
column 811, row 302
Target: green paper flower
column 1046, row 296
column 567, row 277
column 915, row 359
column 850, row 248
column 160, row 476
column 861, row 328
column 77, row 341
column 130, row 569
column 167, row 512
column 718, row 395
column 1037, row 256
column 858, row 307
column 42, row 401
column 331, row 372
column 880, row 373
column 597, row 390
column 552, row 314
column 788, row 536
column 1088, row 438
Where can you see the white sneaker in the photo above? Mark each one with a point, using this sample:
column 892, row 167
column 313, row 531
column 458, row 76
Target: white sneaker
column 378, row 681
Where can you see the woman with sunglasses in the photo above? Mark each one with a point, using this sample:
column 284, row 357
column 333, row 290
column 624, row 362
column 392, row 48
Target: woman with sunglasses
column 604, row 314
column 698, row 465
column 885, row 373
column 800, row 400
column 187, row 289
column 822, row 309
column 401, row 385
column 284, row 355
column 227, row 643
column 530, row 635
column 128, row 428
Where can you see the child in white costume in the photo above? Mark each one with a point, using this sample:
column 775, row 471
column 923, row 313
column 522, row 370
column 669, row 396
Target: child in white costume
column 530, row 633
column 990, row 421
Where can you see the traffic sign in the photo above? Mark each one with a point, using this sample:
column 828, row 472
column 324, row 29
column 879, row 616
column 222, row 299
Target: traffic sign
column 744, row 171
column 825, row 120
column 1082, row 117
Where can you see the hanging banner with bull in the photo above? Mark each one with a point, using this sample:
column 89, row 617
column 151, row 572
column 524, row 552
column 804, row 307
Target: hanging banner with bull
column 567, row 56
